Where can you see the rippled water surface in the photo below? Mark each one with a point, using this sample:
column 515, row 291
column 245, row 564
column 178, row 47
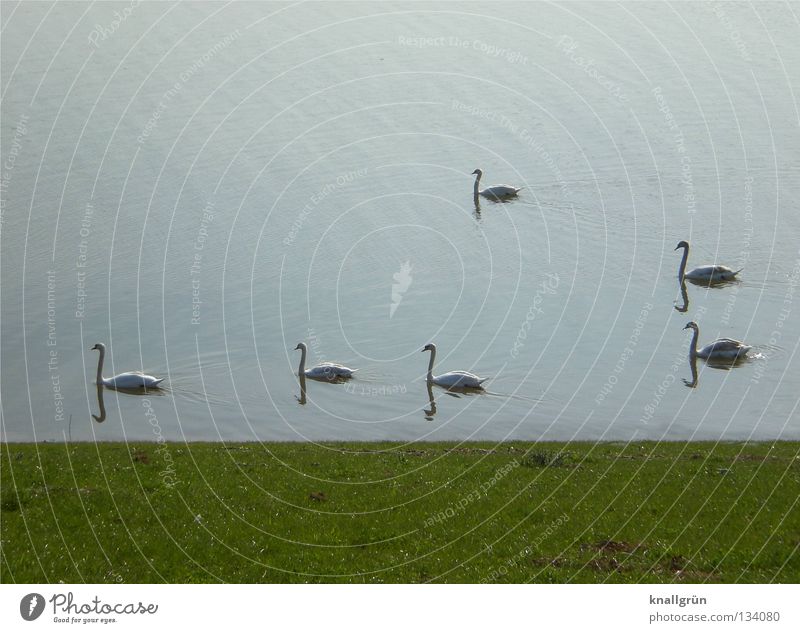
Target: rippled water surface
column 202, row 186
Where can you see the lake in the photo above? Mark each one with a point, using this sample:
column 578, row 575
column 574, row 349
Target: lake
column 203, row 186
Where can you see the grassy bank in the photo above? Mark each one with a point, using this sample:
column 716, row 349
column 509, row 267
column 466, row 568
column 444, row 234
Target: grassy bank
column 514, row 512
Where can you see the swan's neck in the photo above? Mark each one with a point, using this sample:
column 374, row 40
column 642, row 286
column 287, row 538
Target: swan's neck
column 430, row 364
column 684, row 259
column 477, row 182
column 693, row 345
column 302, row 371
column 100, row 366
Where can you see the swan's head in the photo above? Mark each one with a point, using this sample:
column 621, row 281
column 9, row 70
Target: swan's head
column 682, row 244
column 99, row 346
column 430, row 347
column 691, row 325
column 477, row 172
column 301, row 346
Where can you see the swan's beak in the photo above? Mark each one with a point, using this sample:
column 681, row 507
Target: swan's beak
column 298, row 347
column 687, row 327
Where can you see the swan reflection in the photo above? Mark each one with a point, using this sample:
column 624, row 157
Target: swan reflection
column 453, row 392
column 431, row 411
column 302, row 398
column 101, row 404
column 136, row 391
column 693, row 368
column 685, row 296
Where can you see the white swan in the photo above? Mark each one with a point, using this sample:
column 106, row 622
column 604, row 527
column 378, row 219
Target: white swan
column 330, row 372
column 495, row 192
column 721, row 349
column 456, row 379
column 127, row 380
column 711, row 273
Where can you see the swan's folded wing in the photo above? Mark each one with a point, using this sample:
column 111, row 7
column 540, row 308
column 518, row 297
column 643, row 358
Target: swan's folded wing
column 458, row 379
column 728, row 342
column 725, row 346
column 711, row 270
column 464, row 374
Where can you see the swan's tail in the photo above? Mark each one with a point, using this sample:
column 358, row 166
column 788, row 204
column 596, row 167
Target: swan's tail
column 738, row 271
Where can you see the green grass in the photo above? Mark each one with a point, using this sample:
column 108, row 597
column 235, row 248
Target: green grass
column 352, row 512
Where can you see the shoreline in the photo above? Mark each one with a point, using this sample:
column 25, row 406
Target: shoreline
column 573, row 443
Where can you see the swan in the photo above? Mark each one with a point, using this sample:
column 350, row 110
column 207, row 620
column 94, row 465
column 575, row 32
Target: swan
column 495, row 192
column 711, row 273
column 459, row 379
column 721, row 349
column 127, row 380
column 324, row 371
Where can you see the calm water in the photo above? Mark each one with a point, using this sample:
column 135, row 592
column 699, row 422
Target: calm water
column 202, row 186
